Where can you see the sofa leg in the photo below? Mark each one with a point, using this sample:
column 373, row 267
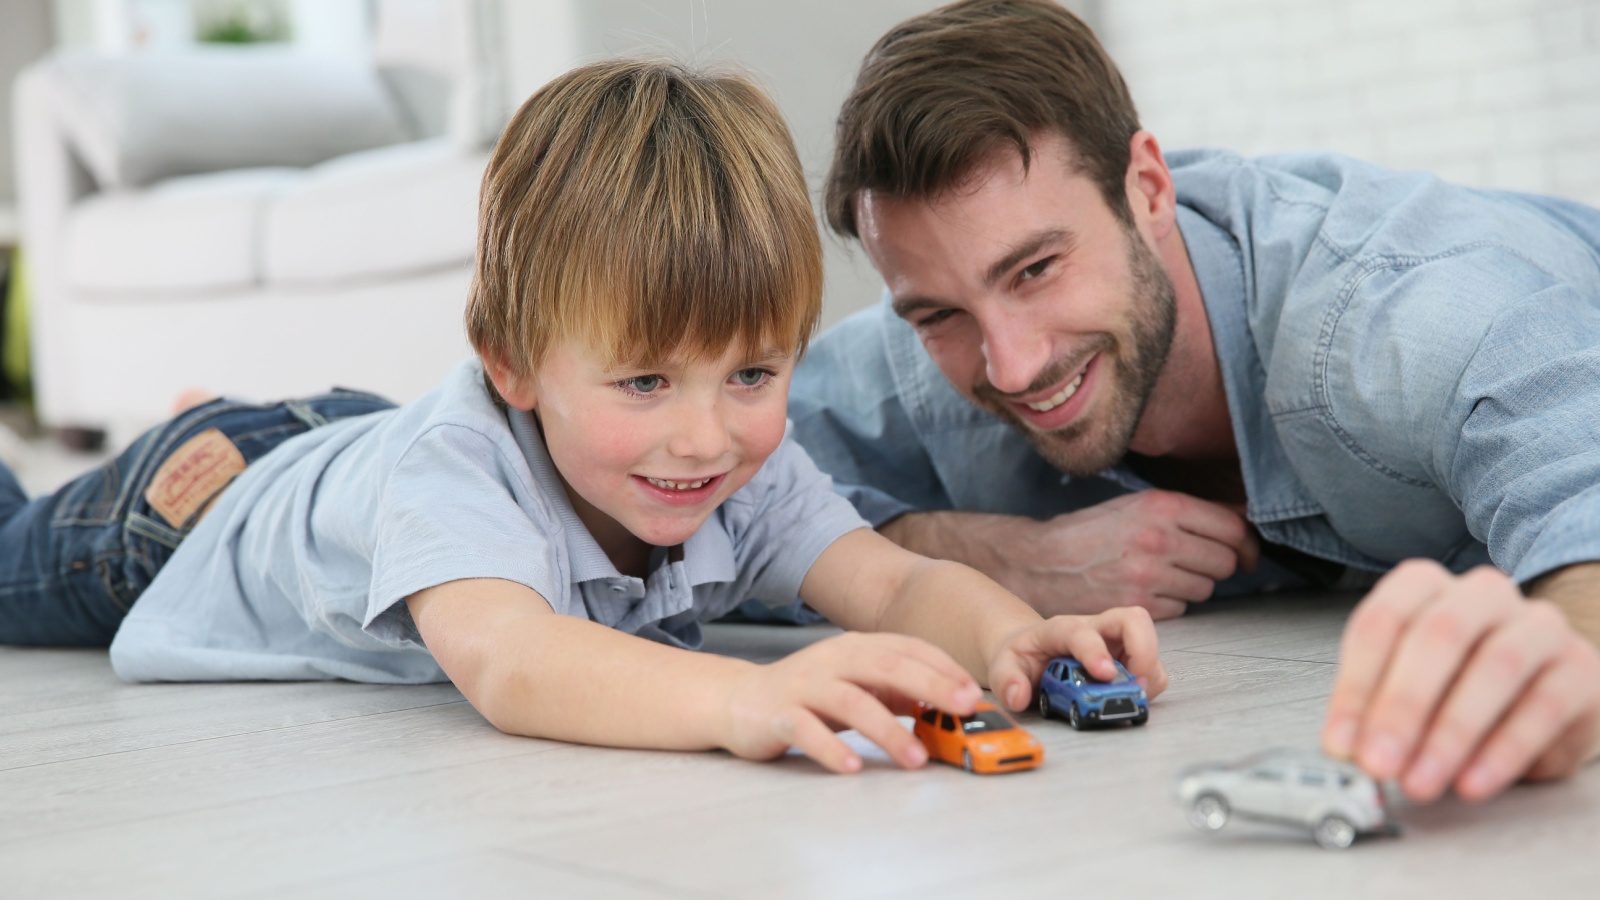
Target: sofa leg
column 81, row 440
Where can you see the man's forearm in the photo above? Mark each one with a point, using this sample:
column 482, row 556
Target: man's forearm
column 971, row 538
column 1576, row 591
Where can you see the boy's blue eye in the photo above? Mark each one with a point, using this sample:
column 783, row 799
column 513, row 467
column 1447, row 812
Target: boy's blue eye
column 750, row 377
column 644, row 384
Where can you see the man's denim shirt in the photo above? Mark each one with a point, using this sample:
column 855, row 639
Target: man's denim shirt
column 1412, row 369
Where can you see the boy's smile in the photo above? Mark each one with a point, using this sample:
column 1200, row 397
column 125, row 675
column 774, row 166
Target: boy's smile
column 648, row 455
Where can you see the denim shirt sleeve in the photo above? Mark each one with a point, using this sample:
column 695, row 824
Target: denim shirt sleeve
column 849, row 416
column 1475, row 372
column 1526, row 469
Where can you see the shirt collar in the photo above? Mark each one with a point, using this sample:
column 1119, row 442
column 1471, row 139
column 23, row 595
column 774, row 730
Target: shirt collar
column 707, row 554
column 1273, row 491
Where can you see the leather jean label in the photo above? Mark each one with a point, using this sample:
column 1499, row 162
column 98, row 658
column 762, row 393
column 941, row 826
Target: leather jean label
column 182, row 489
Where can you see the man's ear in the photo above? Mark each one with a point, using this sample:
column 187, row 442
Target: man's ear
column 517, row 390
column 1151, row 195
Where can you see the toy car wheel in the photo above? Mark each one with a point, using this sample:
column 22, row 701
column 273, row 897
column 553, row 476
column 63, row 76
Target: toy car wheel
column 1208, row 812
column 966, row 760
column 1335, row 833
column 1073, row 719
column 1045, row 711
column 1141, row 718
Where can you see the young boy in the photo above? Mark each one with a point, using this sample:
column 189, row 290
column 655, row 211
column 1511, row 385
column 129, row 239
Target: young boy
column 548, row 529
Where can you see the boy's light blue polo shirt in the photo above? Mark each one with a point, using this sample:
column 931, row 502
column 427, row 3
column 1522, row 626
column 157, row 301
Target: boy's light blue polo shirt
column 300, row 570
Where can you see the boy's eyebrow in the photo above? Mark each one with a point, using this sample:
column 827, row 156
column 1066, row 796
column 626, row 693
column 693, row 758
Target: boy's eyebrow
column 771, row 354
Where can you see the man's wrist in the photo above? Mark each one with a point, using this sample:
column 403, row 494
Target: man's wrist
column 1575, row 590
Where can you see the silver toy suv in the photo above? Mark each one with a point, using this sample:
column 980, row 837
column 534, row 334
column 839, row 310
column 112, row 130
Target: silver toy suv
column 1336, row 800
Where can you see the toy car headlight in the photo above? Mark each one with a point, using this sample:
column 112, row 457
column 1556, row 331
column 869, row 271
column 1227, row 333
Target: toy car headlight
column 985, row 748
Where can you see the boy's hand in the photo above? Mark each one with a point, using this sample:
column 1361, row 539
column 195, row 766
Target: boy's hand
column 858, row 681
column 1126, row 633
column 1460, row 680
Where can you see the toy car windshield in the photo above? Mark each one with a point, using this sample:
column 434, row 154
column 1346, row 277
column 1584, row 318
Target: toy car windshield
column 1081, row 675
column 986, row 720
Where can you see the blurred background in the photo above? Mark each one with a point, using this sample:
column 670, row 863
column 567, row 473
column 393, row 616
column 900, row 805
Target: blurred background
column 267, row 197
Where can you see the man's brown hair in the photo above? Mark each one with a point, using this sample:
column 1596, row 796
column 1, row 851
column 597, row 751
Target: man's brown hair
column 942, row 91
column 649, row 210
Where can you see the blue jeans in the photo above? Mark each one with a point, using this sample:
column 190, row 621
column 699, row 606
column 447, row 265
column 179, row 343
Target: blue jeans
column 73, row 563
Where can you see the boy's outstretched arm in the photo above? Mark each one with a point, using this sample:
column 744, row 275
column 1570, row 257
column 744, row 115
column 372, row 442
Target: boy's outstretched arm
column 865, row 581
column 533, row 672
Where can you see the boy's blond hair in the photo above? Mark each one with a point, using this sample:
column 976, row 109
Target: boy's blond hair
column 649, row 210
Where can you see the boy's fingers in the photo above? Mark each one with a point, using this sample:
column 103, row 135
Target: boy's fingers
column 1368, row 643
column 1011, row 681
column 906, row 667
column 816, row 740
column 1140, row 649
column 853, row 707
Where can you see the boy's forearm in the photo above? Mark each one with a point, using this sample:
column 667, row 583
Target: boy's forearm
column 540, row 674
column 958, row 609
column 593, row 685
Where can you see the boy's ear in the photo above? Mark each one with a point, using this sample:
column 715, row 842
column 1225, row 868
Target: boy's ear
column 515, row 389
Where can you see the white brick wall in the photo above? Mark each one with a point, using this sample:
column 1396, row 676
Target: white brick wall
column 1504, row 93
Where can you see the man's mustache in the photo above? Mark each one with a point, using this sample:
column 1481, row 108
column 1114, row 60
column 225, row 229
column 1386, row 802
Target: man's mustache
column 1050, row 376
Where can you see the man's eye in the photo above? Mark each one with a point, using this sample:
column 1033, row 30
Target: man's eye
column 1037, row 269
column 644, row 384
column 750, row 377
column 935, row 318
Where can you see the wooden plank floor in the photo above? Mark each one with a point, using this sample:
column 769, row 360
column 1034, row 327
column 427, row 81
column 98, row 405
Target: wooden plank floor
column 343, row 790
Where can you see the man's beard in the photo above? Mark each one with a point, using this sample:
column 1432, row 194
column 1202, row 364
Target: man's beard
column 1087, row 447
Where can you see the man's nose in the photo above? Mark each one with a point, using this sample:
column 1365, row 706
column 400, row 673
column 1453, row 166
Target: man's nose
column 1015, row 351
column 699, row 432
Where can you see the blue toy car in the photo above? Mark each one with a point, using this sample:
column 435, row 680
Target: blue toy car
column 1068, row 690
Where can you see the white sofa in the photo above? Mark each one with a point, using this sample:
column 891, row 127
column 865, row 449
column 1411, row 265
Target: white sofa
column 253, row 222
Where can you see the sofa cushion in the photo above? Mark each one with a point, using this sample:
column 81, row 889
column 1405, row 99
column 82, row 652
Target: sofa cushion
column 194, row 233
column 382, row 213
column 141, row 118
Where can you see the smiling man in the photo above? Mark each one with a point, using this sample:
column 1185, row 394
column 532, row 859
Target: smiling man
column 1106, row 376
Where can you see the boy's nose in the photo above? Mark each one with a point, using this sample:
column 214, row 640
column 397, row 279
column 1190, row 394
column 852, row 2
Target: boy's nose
column 700, row 433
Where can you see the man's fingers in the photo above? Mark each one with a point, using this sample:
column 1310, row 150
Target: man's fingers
column 1579, row 744
column 1368, row 642
column 1548, row 709
column 1493, row 677
column 1207, row 558
column 1220, row 525
column 1163, row 607
column 1180, row 585
column 1427, row 659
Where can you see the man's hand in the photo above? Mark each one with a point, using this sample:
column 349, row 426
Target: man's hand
column 1155, row 549
column 1126, row 633
column 1460, row 680
column 859, row 681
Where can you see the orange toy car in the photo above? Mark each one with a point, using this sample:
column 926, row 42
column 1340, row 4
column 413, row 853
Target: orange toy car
column 987, row 741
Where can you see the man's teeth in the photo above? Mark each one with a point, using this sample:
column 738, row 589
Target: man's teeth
column 1059, row 397
column 679, row 485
